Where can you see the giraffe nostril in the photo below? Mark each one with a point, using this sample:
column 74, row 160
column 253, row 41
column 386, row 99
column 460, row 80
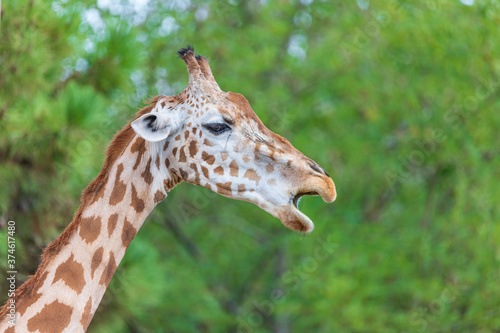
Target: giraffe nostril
column 319, row 169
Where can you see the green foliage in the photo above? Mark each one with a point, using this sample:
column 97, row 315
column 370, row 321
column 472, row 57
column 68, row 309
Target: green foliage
column 398, row 102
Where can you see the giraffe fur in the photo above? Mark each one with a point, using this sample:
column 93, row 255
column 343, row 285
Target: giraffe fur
column 203, row 136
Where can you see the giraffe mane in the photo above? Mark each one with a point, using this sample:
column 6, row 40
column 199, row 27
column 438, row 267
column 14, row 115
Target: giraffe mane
column 115, row 149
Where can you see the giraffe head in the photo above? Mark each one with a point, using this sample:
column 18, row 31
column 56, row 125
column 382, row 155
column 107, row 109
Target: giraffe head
column 214, row 139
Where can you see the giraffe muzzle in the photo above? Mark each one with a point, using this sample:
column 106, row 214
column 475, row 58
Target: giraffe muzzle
column 298, row 196
column 290, row 214
column 328, row 192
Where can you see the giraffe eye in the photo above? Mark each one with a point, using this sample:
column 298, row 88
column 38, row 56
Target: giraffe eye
column 217, row 128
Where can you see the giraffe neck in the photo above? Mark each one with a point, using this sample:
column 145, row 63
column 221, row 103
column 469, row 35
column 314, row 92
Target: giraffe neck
column 78, row 266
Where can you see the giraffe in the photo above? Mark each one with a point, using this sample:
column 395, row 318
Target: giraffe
column 203, row 136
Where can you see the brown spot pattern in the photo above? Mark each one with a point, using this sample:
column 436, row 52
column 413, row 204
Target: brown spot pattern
column 86, row 317
column 193, row 148
column 159, row 196
column 165, row 146
column 257, row 150
column 137, row 202
column 269, row 168
column 128, row 233
column 146, row 174
column 196, row 173
column 90, row 228
column 157, row 162
column 53, row 318
column 241, row 188
column 71, row 273
column 170, row 183
column 96, row 260
column 210, row 159
column 219, row 170
column 224, row 155
column 224, row 188
column 233, row 167
column 252, row 175
column 205, row 171
column 208, row 143
column 271, row 156
column 183, row 173
column 138, row 146
column 182, row 154
column 119, row 189
column 108, row 272
column 100, row 192
column 112, row 223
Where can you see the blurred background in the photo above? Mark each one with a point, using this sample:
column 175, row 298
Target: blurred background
column 397, row 100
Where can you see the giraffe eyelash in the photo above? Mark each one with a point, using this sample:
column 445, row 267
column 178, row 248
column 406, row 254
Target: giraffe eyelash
column 217, row 128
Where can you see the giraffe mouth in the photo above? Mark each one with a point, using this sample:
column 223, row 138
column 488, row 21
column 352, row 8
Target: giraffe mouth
column 290, row 214
column 296, row 198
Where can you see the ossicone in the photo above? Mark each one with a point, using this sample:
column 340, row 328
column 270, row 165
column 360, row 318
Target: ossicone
column 201, row 79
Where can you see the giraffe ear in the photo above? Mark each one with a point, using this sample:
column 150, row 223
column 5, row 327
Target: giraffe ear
column 153, row 126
